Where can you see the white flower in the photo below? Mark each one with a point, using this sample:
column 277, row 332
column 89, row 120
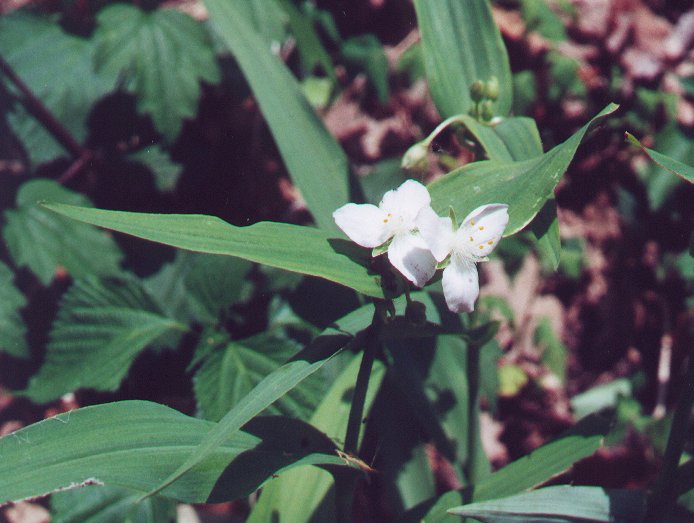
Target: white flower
column 477, row 236
column 394, row 218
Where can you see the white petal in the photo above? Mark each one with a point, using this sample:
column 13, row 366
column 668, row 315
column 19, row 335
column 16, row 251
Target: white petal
column 365, row 224
column 409, row 254
column 482, row 229
column 436, row 231
column 461, row 284
column 406, row 200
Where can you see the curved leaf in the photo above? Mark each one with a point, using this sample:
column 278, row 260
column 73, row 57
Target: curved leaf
column 305, row 250
column 44, row 242
column 101, row 328
column 133, row 444
column 163, row 54
column 461, row 44
column 12, row 328
column 316, row 162
column 524, row 185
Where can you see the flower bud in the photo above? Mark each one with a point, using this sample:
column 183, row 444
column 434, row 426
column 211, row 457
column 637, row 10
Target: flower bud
column 492, row 87
column 487, row 110
column 416, row 158
column 477, row 91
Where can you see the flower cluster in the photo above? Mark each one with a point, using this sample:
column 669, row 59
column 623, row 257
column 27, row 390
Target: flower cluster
column 418, row 240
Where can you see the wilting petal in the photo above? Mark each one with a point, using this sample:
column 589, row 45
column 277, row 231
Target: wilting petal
column 409, row 254
column 365, row 224
column 406, row 200
column 437, row 232
column 482, row 229
column 461, row 284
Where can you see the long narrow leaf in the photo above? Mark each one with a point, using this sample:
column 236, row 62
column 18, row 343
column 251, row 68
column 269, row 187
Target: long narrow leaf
column 305, row 250
column 316, row 162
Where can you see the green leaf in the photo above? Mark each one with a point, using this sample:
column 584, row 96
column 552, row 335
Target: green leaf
column 266, row 19
column 133, row 444
column 461, row 44
column 45, row 242
column 538, row 16
column 554, row 352
column 270, row 389
column 305, row 250
column 601, row 397
column 317, row 164
column 102, row 326
column 367, row 52
column 162, row 55
column 200, row 287
column 166, row 172
column 12, row 329
column 560, row 504
column 231, row 372
column 57, row 68
column 93, row 504
column 684, row 171
column 524, row 185
column 295, row 496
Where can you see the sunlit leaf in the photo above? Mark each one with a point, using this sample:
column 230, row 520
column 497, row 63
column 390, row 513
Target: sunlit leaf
column 134, row 444
column 45, row 242
column 102, row 326
column 162, row 55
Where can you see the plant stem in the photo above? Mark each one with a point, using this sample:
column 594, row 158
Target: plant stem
column 665, row 494
column 43, row 115
column 345, row 483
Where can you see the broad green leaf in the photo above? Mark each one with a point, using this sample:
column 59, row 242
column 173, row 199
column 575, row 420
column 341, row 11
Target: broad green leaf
column 601, row 397
column 199, row 287
column 305, row 250
column 45, row 242
column 231, row 371
column 12, row 329
column 461, row 44
column 294, row 497
column 524, row 185
column 266, row 19
column 94, row 504
column 314, row 159
column 162, row 55
column 270, row 389
column 166, row 172
column 684, row 171
column 133, row 444
column 57, row 67
column 102, row 326
column 525, row 473
column 560, row 504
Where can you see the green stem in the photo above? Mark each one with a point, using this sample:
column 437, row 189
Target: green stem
column 345, row 483
column 665, row 494
column 440, row 127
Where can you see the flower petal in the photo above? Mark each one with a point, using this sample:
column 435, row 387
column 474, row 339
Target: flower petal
column 481, row 230
column 364, row 224
column 461, row 284
column 437, row 232
column 406, row 200
column 409, row 254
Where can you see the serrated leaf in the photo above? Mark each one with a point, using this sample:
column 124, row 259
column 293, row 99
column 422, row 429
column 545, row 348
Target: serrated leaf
column 166, row 172
column 133, row 444
column 163, row 55
column 305, row 250
column 199, row 287
column 57, row 68
column 316, row 162
column 461, row 44
column 231, row 371
column 524, row 185
column 94, row 504
column 102, row 326
column 12, row 329
column 560, row 504
column 44, row 242
column 295, row 496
